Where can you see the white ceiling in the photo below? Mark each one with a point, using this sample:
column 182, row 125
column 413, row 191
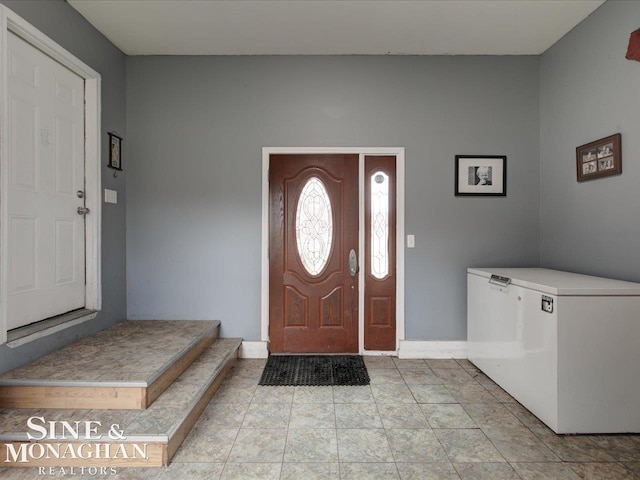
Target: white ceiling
column 326, row 27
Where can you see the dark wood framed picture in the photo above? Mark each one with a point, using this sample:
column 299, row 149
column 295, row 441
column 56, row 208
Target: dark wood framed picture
column 598, row 159
column 115, row 151
column 481, row 175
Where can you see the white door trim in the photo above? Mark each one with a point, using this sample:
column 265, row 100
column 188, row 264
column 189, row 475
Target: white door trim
column 11, row 22
column 398, row 152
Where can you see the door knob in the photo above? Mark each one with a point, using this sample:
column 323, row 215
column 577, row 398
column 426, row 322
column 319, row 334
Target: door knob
column 83, row 210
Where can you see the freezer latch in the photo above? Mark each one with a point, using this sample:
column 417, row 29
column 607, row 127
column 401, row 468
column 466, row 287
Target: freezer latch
column 547, row 304
column 500, row 281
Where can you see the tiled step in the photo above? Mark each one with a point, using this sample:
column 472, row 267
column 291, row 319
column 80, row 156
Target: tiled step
column 124, row 367
column 152, row 436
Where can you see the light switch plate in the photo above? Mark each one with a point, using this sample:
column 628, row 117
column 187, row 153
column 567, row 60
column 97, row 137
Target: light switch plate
column 411, row 241
column 110, row 196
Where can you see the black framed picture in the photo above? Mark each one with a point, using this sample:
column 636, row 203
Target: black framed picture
column 115, row 151
column 481, row 175
column 598, row 159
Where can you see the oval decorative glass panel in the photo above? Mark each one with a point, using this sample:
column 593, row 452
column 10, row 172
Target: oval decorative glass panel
column 314, row 226
column 379, row 225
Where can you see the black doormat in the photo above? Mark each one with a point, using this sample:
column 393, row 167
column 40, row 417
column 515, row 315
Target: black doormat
column 315, row 370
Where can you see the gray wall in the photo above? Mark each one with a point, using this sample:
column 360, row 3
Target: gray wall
column 588, row 91
column 196, row 126
column 63, row 24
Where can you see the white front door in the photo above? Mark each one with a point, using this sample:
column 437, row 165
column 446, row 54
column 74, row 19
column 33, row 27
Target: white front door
column 45, row 146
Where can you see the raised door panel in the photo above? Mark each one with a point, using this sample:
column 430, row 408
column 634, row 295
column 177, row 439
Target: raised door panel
column 23, row 145
column 65, row 247
column 296, row 308
column 23, row 260
column 64, row 161
column 331, row 307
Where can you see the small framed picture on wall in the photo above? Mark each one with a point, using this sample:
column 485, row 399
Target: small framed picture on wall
column 481, row 175
column 598, row 159
column 115, row 151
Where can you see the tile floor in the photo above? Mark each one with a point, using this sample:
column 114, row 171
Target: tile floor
column 419, row 419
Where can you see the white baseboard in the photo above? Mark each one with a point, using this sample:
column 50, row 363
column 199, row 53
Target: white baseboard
column 408, row 349
column 424, row 349
column 253, row 350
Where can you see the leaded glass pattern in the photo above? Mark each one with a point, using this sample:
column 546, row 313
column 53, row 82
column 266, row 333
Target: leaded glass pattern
column 379, row 225
column 314, row 226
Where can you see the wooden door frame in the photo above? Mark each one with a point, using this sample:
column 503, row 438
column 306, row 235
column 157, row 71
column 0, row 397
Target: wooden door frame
column 398, row 152
column 11, row 22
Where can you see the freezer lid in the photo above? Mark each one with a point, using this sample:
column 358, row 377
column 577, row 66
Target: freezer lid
column 556, row 282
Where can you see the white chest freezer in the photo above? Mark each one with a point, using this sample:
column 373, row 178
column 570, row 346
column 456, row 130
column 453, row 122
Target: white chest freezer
column 566, row 346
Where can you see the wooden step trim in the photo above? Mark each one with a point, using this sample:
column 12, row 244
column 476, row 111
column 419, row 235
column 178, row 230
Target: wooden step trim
column 113, row 398
column 155, row 389
column 183, row 430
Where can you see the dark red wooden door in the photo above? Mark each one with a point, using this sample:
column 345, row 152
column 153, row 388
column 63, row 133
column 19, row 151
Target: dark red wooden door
column 313, row 226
